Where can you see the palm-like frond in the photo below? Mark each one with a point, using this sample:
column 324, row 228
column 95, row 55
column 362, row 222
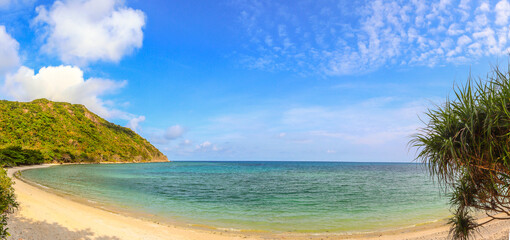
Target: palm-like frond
column 466, row 145
column 462, row 226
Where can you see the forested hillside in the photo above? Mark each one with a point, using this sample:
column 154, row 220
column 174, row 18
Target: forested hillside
column 64, row 132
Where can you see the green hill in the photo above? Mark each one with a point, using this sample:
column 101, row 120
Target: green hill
column 64, row 132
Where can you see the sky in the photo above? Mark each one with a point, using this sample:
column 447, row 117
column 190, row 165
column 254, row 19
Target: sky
column 294, row 80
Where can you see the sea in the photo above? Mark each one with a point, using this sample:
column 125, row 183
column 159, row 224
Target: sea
column 269, row 196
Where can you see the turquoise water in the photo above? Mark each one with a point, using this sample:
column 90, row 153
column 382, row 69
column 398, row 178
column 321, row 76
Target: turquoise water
column 269, row 196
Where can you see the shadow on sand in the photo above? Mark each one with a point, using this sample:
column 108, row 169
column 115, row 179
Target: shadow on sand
column 26, row 229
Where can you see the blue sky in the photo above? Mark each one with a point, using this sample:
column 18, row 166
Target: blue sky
column 253, row 80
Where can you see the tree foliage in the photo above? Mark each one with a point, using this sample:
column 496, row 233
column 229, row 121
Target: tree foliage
column 17, row 156
column 63, row 132
column 7, row 202
column 466, row 146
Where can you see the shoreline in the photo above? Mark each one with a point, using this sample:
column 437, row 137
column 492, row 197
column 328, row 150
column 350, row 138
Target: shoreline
column 44, row 206
column 190, row 224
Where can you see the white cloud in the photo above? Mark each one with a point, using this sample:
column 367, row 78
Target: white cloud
column 484, row 7
column 205, row 144
column 487, row 38
column 379, row 34
column 463, row 40
column 60, row 83
column 464, row 4
column 63, row 83
column 364, row 123
column 9, row 47
column 83, row 31
column 307, row 132
column 174, row 132
column 454, row 29
column 502, row 12
column 134, row 123
column 206, row 147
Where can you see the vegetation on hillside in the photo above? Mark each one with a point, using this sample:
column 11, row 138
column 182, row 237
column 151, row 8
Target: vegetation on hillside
column 17, row 156
column 466, row 145
column 44, row 131
column 63, row 132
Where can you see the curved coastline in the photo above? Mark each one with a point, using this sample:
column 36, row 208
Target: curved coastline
column 45, row 213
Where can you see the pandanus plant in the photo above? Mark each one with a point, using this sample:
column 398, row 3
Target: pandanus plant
column 465, row 144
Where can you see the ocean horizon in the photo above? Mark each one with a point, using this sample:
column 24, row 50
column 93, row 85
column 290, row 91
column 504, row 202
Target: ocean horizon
column 271, row 196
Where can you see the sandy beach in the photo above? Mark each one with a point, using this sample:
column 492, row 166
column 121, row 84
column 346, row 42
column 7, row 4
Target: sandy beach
column 45, row 215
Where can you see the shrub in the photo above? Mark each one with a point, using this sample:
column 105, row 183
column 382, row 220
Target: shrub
column 7, row 202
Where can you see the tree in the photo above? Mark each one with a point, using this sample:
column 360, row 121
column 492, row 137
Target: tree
column 466, row 145
column 7, row 202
